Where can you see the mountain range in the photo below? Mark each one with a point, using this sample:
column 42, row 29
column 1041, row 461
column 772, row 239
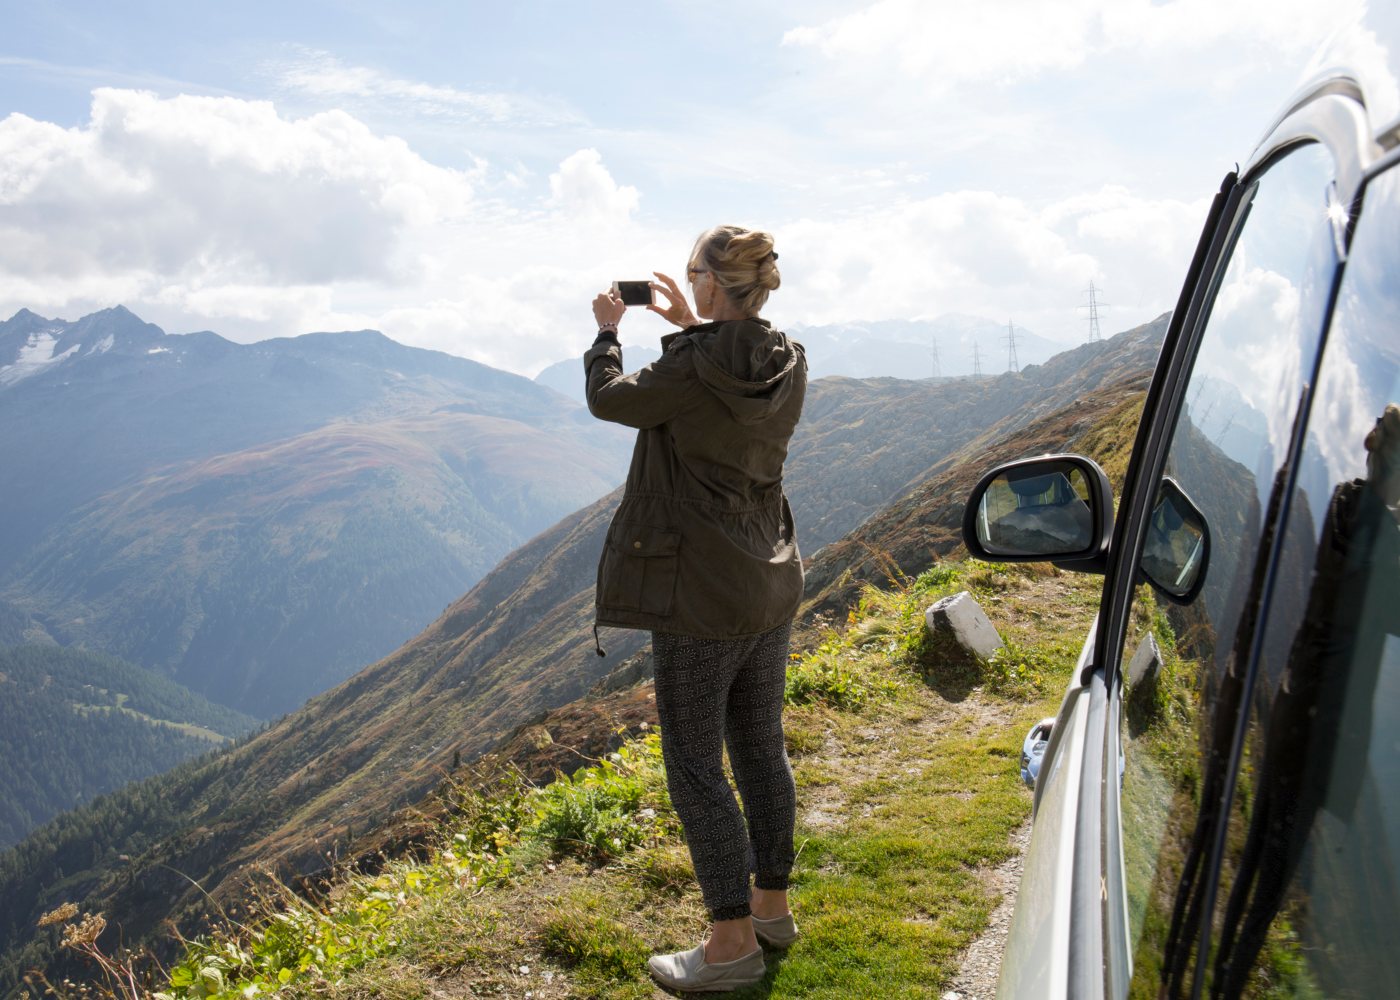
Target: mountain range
column 896, row 348
column 949, row 346
column 519, row 644
column 258, row 521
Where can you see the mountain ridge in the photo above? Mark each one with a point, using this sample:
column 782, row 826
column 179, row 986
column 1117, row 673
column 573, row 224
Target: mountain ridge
column 132, row 408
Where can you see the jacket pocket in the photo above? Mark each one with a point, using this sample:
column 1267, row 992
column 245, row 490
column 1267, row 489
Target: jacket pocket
column 640, row 564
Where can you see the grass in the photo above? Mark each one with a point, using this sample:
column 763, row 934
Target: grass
column 906, row 764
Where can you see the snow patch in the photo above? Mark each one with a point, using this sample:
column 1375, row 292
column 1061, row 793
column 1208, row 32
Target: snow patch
column 159, row 350
column 36, row 355
column 104, row 345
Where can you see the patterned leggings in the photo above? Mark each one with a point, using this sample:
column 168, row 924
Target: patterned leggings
column 711, row 692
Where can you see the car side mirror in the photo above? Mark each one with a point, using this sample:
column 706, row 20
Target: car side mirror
column 1057, row 508
column 1177, row 548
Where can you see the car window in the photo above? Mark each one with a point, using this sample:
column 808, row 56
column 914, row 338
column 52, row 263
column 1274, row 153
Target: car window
column 1312, row 903
column 1182, row 660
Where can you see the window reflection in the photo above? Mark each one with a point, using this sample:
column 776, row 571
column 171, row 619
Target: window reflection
column 1312, row 897
column 1178, row 717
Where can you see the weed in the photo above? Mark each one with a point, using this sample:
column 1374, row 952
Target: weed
column 603, row 949
column 664, row 867
column 984, row 578
column 604, row 811
column 828, row 676
column 1019, row 671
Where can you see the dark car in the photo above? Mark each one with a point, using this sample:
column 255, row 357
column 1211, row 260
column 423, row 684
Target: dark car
column 1218, row 803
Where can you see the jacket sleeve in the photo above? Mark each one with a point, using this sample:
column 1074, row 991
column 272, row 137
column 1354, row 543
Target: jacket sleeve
column 644, row 399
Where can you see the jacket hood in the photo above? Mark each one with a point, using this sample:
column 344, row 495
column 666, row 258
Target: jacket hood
column 747, row 364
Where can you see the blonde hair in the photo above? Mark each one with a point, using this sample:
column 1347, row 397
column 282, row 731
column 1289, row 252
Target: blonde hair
column 742, row 262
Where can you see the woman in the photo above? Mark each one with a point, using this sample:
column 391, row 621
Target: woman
column 703, row 553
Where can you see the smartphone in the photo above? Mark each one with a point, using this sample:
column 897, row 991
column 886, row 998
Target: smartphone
column 634, row 293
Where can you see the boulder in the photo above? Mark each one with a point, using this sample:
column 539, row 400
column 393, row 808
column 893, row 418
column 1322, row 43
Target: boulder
column 962, row 619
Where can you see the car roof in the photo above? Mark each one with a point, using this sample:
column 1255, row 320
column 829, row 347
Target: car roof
column 1360, row 60
column 1350, row 103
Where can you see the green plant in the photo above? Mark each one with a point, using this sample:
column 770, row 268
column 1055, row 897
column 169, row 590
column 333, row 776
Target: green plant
column 1020, row 671
column 582, row 938
column 986, row 577
column 608, row 809
column 829, row 677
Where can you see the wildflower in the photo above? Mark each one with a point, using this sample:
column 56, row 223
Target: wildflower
column 61, row 915
column 85, row 932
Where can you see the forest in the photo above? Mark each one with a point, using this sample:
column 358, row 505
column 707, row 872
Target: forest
column 75, row 725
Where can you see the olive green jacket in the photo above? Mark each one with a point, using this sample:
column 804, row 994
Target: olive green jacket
column 704, row 542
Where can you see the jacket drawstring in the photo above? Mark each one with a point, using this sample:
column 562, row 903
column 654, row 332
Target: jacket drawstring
column 597, row 646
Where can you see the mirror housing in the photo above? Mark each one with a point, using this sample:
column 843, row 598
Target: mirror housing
column 1054, row 508
column 1176, row 550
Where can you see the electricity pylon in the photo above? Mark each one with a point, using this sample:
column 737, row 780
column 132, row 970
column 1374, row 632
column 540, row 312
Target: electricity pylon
column 1012, row 364
column 976, row 360
column 1094, row 336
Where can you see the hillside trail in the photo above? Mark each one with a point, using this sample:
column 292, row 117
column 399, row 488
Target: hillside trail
column 826, row 806
column 855, row 772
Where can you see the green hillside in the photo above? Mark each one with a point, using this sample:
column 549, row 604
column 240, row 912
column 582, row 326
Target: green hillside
column 908, row 796
column 76, row 725
column 864, row 443
column 265, row 576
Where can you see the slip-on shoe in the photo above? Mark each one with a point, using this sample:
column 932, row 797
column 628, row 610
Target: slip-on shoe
column 688, row 971
column 775, row 932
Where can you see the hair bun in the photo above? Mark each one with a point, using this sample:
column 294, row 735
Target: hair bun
column 743, row 263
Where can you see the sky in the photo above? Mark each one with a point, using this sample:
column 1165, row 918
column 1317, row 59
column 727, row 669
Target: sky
column 466, row 176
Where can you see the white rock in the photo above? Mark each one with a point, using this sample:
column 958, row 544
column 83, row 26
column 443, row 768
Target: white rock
column 963, row 618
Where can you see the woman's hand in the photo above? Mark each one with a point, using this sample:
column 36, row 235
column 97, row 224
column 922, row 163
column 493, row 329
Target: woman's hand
column 677, row 312
column 608, row 308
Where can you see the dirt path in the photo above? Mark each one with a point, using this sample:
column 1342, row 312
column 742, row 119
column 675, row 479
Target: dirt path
column 981, row 963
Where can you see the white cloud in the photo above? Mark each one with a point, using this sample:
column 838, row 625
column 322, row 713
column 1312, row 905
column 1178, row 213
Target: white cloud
column 321, row 75
column 203, row 213
column 211, row 190
column 957, row 42
column 583, row 189
column 990, row 255
column 947, row 43
column 222, row 214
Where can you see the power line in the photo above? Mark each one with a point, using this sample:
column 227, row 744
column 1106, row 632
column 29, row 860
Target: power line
column 1012, row 364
